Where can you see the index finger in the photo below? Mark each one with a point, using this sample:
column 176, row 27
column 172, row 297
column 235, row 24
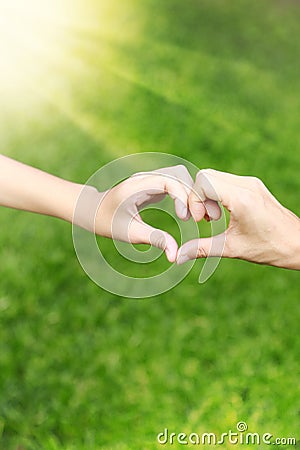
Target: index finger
column 210, row 188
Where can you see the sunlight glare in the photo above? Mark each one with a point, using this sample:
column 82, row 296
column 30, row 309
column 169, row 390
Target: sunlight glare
column 32, row 33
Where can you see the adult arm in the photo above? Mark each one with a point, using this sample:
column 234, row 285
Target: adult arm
column 260, row 230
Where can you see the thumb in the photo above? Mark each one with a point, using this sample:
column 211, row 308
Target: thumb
column 202, row 248
column 142, row 233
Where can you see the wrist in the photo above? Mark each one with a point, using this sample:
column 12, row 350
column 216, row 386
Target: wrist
column 85, row 207
column 293, row 256
column 290, row 244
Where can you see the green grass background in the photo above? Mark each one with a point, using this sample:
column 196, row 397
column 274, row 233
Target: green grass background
column 215, row 82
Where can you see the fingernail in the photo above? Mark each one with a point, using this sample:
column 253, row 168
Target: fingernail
column 171, row 256
column 182, row 259
column 183, row 211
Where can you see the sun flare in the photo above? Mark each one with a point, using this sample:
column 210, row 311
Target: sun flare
column 32, row 34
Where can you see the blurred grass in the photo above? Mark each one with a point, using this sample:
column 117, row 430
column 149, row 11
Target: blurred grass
column 216, row 83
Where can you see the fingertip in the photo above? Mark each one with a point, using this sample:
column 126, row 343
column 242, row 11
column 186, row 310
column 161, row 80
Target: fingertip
column 171, row 248
column 213, row 209
column 181, row 209
column 187, row 217
column 181, row 256
column 166, row 242
column 197, row 210
column 188, row 251
column 171, row 256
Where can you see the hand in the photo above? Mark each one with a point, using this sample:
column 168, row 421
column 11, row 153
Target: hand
column 260, row 230
column 115, row 213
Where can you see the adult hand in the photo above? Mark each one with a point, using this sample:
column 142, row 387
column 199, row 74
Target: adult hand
column 260, row 230
column 116, row 212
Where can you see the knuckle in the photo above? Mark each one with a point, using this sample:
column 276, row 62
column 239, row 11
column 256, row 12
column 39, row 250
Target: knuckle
column 256, row 182
column 184, row 171
column 138, row 176
column 246, row 199
column 205, row 171
column 196, row 199
column 201, row 252
column 200, row 176
column 203, row 174
column 181, row 167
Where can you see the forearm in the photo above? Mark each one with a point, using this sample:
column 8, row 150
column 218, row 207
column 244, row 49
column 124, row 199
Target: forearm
column 24, row 187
